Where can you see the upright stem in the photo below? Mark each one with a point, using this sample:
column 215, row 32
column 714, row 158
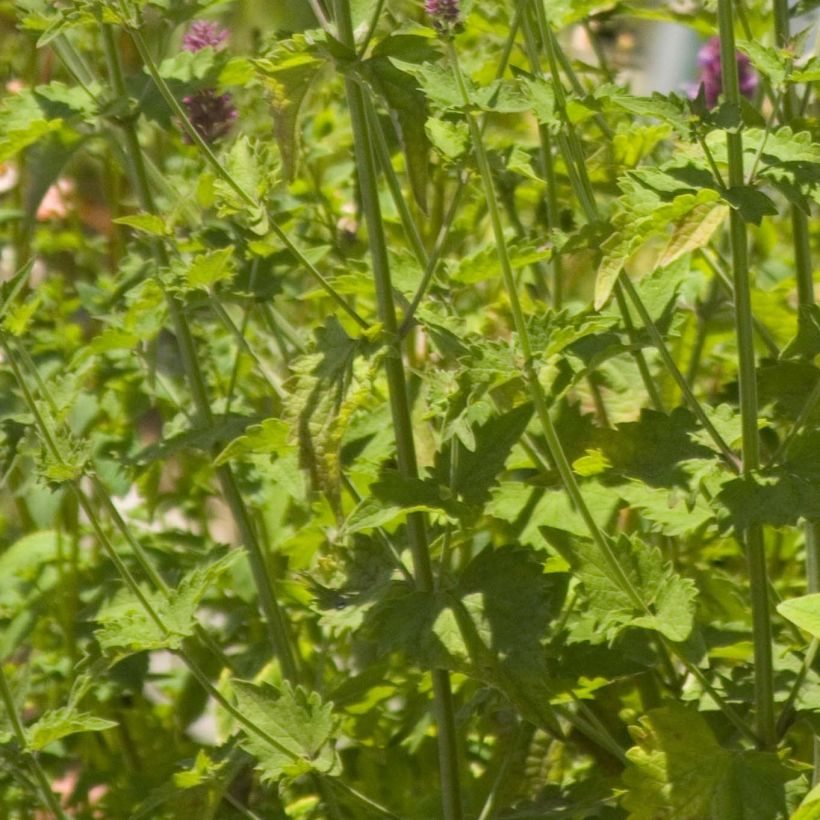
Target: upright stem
column 47, row 796
column 274, row 618
column 536, row 390
column 556, row 450
column 805, row 298
column 400, row 409
column 744, row 328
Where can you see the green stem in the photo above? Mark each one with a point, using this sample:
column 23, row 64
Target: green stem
column 805, row 298
column 383, row 153
column 400, row 410
column 716, row 263
column 554, row 446
column 47, row 796
column 683, row 385
column 249, row 199
column 274, row 618
column 744, row 328
column 536, row 390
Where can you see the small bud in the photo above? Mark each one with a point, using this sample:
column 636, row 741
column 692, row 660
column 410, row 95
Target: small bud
column 444, row 14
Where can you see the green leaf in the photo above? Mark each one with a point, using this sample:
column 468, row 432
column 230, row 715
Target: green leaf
column 809, row 809
column 803, row 611
column 394, row 497
column 208, row 269
column 477, row 467
column 668, row 598
column 59, row 723
column 678, row 771
column 694, row 231
column 806, row 344
column 777, row 497
column 480, row 624
column 752, row 204
column 148, row 223
column 408, row 105
column 300, row 724
column 269, row 437
column 448, row 138
column 436, row 82
column 288, row 78
column 189, row 66
column 127, row 628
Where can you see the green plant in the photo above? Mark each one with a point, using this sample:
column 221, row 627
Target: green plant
column 403, row 417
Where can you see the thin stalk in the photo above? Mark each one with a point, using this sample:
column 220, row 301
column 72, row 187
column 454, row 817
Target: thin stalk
column 744, row 328
column 400, row 411
column 383, row 153
column 444, row 231
column 227, row 177
column 538, row 396
column 640, row 359
column 571, row 150
column 371, row 29
column 270, row 378
column 274, row 617
column 52, row 446
column 519, row 322
column 47, row 796
column 681, row 382
column 490, row 804
column 805, row 414
column 716, row 262
column 805, row 298
column 371, row 804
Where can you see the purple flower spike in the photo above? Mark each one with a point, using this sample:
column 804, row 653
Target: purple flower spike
column 444, row 14
column 202, row 34
column 210, row 113
column 710, row 76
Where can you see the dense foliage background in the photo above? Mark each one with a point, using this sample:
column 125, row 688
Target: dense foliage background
column 403, row 417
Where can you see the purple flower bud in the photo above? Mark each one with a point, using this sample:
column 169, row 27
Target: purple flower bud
column 210, row 113
column 202, row 34
column 444, row 14
column 710, row 76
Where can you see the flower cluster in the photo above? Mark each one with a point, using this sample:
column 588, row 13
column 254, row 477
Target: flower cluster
column 202, row 34
column 710, row 76
column 211, row 114
column 444, row 14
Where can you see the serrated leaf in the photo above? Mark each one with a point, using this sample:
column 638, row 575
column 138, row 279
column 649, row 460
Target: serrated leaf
column 59, row 723
column 477, row 468
column 394, row 497
column 300, row 724
column 448, row 138
column 479, row 625
column 668, row 600
column 271, row 436
column 208, row 269
column 752, row 204
column 127, row 628
column 678, row 771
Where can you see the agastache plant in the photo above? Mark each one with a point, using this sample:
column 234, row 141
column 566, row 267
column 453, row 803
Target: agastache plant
column 212, row 114
column 710, row 75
